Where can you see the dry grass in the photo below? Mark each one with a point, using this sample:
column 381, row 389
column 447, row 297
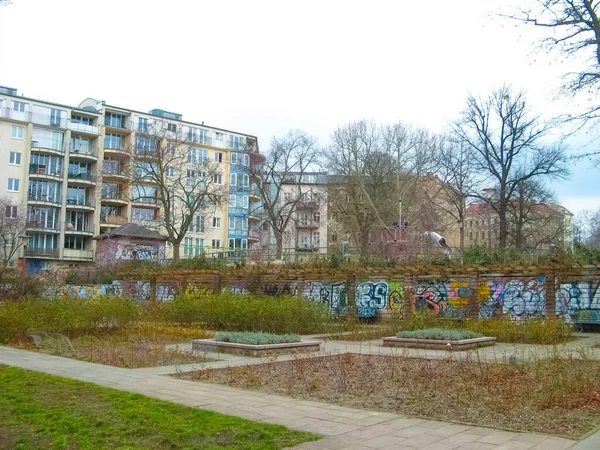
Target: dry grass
column 130, row 350
column 559, row 396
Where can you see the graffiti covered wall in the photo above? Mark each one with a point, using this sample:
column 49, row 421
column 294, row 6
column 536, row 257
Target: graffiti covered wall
column 443, row 298
column 579, row 301
column 373, row 297
column 518, row 298
column 333, row 294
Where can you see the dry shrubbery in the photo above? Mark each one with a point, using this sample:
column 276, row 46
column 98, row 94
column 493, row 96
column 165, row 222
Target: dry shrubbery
column 560, row 396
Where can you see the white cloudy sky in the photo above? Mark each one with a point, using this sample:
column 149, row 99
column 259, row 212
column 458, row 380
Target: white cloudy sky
column 263, row 67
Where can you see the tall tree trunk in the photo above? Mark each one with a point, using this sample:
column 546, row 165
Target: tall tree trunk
column 278, row 244
column 503, row 228
column 176, row 246
column 462, row 240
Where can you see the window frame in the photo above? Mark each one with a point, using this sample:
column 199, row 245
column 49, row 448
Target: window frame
column 17, row 155
column 22, row 134
column 13, row 181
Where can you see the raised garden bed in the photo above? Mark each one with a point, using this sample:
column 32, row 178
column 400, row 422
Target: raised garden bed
column 439, row 344
column 214, row 346
column 439, row 339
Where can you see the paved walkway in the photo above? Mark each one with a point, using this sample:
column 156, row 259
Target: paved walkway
column 342, row 428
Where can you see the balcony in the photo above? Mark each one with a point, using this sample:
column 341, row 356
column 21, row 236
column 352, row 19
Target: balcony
column 49, row 120
column 236, row 146
column 150, row 201
column 254, row 235
column 81, row 178
column 83, row 153
column 80, row 229
column 47, row 146
column 78, row 255
column 11, row 114
column 42, row 172
column 43, row 225
column 113, row 172
column 146, row 152
column 80, row 204
column 43, row 199
column 114, row 148
column 113, row 220
column 198, row 139
column 307, row 224
column 153, row 224
column 117, row 124
column 84, row 128
column 254, row 194
column 47, row 253
column 309, row 204
column 113, row 197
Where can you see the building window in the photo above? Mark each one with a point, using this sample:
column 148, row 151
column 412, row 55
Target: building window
column 233, row 179
column 218, row 178
column 55, row 116
column 245, row 200
column 245, row 224
column 75, row 242
column 19, row 106
column 232, row 223
column 334, row 237
column 170, row 171
column 142, row 213
column 234, row 158
column 13, row 185
column 199, row 224
column 232, row 243
column 246, row 179
column 199, row 246
column 142, row 125
column 232, row 201
column 172, row 128
column 246, row 160
column 216, row 243
column 316, row 238
column 17, row 132
column 112, row 141
column 317, row 217
column 220, row 137
column 187, row 246
column 216, row 222
column 11, row 212
column 218, row 157
column 14, row 158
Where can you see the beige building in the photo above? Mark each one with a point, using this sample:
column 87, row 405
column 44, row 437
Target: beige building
column 71, row 168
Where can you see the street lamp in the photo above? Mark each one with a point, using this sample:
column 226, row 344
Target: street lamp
column 489, row 193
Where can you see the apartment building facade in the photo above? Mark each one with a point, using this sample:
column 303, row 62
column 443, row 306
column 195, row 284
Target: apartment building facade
column 74, row 171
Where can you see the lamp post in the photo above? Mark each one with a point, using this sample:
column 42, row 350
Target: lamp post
column 489, row 193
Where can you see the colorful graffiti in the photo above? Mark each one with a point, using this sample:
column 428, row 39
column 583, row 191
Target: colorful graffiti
column 334, row 295
column 448, row 299
column 138, row 252
column 371, row 297
column 518, row 298
column 579, row 302
column 236, row 287
column 165, row 293
column 396, row 298
column 278, row 289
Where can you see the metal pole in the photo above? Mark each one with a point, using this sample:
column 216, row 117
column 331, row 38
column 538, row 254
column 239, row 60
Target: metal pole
column 489, row 223
column 400, row 220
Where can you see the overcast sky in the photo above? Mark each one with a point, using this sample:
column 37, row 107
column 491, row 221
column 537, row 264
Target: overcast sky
column 264, row 67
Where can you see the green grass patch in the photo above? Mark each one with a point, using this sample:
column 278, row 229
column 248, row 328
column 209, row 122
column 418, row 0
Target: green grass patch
column 44, row 411
column 256, row 338
column 439, row 334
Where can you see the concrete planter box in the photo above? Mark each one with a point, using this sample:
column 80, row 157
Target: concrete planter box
column 210, row 345
column 434, row 344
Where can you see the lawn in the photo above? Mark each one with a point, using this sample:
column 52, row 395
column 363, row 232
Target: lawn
column 44, row 411
column 557, row 396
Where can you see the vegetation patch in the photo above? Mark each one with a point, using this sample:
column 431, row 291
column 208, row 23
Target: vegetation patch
column 256, row 338
column 44, row 411
column 559, row 396
column 439, row 334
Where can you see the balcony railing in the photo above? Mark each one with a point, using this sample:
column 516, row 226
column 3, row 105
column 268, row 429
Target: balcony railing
column 78, row 202
column 42, row 252
column 196, row 139
column 43, row 198
column 236, row 146
column 42, row 169
column 81, row 176
column 116, row 146
column 122, row 124
column 84, row 255
column 84, row 128
column 145, row 200
column 84, row 228
column 8, row 113
column 113, row 220
column 112, row 196
column 307, row 224
column 107, row 170
column 44, row 224
column 48, row 144
column 77, row 150
column 49, row 120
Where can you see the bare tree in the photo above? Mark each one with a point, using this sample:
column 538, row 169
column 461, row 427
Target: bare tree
column 456, row 184
column 170, row 170
column 507, row 144
column 12, row 229
column 281, row 180
column 587, row 228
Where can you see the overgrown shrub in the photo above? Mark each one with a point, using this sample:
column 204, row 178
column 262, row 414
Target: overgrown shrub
column 235, row 312
column 65, row 315
column 440, row 334
column 259, row 338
